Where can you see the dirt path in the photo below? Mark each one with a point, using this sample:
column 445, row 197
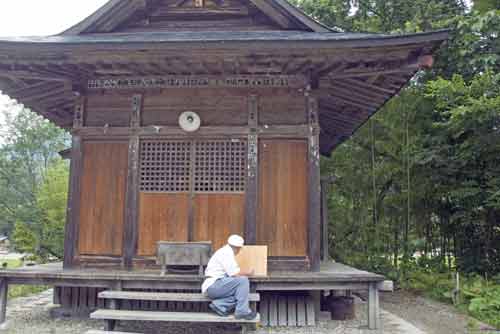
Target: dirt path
column 429, row 316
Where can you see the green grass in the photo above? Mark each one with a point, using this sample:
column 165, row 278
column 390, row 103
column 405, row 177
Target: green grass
column 11, row 263
column 20, row 290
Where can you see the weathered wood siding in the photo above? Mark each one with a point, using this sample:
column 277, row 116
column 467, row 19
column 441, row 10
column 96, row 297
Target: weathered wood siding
column 283, row 109
column 164, row 217
column 216, row 216
column 113, row 110
column 102, row 198
column 283, row 213
column 174, row 15
column 216, row 107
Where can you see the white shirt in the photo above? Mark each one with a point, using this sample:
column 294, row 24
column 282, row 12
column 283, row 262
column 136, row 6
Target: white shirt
column 222, row 263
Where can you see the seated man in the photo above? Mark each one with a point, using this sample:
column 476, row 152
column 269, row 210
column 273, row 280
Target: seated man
column 226, row 284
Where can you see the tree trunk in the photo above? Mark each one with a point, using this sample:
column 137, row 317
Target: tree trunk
column 396, row 246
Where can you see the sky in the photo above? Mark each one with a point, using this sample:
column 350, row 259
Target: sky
column 40, row 18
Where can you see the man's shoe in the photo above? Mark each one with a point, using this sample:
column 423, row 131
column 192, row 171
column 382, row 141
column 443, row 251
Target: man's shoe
column 249, row 316
column 217, row 310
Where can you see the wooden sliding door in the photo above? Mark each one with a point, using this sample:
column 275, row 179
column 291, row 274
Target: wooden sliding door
column 102, row 198
column 283, row 204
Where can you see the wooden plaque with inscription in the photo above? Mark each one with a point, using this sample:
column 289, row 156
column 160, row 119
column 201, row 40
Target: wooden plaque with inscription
column 253, row 257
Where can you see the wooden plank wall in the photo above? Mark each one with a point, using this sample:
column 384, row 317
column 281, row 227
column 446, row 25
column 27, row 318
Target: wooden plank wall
column 217, row 216
column 282, row 204
column 113, row 110
column 216, row 107
column 102, row 199
column 162, row 216
column 283, row 214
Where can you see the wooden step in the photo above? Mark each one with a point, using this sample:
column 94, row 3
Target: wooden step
column 95, row 331
column 168, row 316
column 163, row 296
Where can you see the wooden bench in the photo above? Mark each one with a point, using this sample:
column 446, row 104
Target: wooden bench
column 162, row 296
column 111, row 316
column 115, row 314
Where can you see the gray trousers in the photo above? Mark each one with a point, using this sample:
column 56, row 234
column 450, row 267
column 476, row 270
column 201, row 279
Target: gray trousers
column 230, row 293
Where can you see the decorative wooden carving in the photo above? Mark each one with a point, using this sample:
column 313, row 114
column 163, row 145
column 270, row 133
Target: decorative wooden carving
column 79, row 113
column 252, row 171
column 135, row 119
column 253, row 154
column 243, row 81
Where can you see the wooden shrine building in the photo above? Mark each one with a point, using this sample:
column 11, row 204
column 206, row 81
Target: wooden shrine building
column 273, row 90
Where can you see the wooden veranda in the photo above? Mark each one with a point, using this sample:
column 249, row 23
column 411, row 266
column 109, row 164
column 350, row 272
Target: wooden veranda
column 79, row 287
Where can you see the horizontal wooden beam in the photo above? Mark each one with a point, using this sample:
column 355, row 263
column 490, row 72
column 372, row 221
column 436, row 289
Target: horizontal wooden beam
column 33, row 75
column 293, row 131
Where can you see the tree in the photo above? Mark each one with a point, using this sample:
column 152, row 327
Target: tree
column 423, row 168
column 45, row 237
column 29, row 148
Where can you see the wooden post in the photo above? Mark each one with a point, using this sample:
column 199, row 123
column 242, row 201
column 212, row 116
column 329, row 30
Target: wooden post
column 132, row 193
column 73, row 206
column 373, row 306
column 325, row 247
column 314, row 184
column 4, row 289
column 251, row 198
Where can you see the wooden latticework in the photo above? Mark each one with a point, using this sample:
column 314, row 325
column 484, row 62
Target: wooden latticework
column 209, row 165
column 220, row 166
column 165, row 166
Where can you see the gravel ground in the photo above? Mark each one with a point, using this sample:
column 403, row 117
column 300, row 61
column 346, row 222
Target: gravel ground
column 428, row 315
column 31, row 315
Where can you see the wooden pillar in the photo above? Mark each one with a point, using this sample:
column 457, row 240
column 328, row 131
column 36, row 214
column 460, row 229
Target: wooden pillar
column 314, row 195
column 251, row 198
column 4, row 289
column 325, row 246
column 132, row 192
column 73, row 206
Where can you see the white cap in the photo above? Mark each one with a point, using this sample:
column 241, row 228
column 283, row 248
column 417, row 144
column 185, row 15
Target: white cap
column 236, row 241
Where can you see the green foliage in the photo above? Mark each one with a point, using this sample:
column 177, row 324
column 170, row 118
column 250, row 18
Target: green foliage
column 417, row 190
column 24, row 238
column 32, row 183
column 383, row 16
column 17, row 291
column 479, row 297
column 483, row 299
column 51, row 200
column 46, row 236
column 486, row 5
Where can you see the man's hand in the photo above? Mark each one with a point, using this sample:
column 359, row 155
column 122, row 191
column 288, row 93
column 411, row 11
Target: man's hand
column 250, row 272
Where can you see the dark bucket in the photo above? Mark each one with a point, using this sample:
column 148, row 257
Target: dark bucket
column 341, row 307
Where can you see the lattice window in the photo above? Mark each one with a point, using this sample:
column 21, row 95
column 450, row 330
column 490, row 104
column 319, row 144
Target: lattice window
column 165, row 166
column 220, row 166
